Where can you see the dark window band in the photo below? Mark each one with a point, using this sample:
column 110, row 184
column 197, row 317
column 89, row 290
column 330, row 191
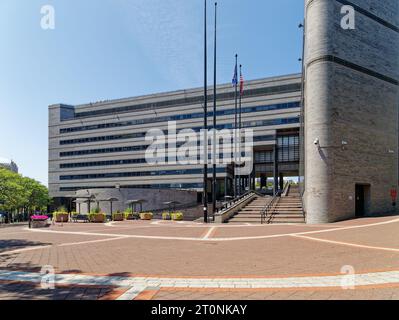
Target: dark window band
column 138, row 174
column 137, row 148
column 197, row 115
column 194, row 100
column 135, row 161
column 151, row 186
column 356, row 67
column 246, row 124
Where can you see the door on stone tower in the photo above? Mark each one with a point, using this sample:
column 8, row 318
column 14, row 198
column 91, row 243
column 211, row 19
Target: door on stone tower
column 360, row 200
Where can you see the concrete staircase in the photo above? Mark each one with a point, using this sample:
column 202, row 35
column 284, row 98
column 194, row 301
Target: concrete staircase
column 287, row 209
column 251, row 213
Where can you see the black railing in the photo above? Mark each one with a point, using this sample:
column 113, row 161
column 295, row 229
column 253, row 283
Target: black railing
column 269, row 207
column 232, row 203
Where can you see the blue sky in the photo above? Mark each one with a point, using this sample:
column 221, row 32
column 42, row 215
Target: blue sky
column 110, row 49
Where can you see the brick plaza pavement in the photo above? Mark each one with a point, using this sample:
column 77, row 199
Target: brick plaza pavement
column 197, row 261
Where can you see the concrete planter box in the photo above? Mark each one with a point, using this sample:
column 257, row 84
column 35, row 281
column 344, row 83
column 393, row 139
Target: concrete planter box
column 97, row 218
column 64, row 217
column 131, row 216
column 117, row 217
column 146, row 216
column 36, row 224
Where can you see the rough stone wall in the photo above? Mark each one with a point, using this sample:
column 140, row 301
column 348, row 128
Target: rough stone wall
column 354, row 100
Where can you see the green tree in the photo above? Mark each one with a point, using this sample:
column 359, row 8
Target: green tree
column 36, row 195
column 17, row 192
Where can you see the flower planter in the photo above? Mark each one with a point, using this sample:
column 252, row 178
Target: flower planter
column 146, row 216
column 40, row 222
column 117, row 217
column 166, row 216
column 61, row 217
column 132, row 216
column 97, row 218
column 177, row 216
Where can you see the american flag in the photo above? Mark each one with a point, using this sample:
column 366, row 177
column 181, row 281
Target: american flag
column 235, row 77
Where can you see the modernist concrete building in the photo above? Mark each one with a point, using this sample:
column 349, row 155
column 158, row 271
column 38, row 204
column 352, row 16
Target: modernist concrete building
column 102, row 145
column 347, row 127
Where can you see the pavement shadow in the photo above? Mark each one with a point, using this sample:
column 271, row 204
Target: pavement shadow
column 14, row 244
column 31, row 291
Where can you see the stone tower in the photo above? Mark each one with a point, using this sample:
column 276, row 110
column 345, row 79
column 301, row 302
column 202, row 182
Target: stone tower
column 351, row 108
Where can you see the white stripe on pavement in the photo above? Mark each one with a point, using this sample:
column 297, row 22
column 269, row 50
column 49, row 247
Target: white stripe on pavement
column 140, row 283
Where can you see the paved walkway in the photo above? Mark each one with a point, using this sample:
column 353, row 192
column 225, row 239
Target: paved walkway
column 165, row 260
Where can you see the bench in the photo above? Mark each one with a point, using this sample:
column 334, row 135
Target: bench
column 80, row 217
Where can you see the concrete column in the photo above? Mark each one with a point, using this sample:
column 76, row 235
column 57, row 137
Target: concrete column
column 281, row 181
column 351, row 108
column 263, row 181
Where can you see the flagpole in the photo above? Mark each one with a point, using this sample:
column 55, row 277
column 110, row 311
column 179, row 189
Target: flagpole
column 205, row 195
column 239, row 135
column 214, row 182
column 235, row 128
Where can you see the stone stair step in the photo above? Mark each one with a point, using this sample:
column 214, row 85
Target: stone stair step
column 249, row 216
column 282, row 220
column 287, row 216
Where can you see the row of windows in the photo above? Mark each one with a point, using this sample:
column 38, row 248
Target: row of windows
column 138, row 174
column 127, row 161
column 179, row 117
column 139, row 148
column 288, row 151
column 152, row 186
column 288, row 140
column 285, row 154
column 295, row 87
column 247, row 124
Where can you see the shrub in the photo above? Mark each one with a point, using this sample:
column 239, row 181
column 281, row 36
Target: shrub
column 95, row 210
column 177, row 216
column 62, row 209
column 60, row 216
column 128, row 210
column 166, row 216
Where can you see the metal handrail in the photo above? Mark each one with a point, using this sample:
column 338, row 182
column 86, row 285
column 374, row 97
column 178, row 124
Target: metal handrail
column 269, row 206
column 286, row 189
column 233, row 202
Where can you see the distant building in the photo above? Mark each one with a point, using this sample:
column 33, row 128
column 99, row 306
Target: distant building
column 8, row 164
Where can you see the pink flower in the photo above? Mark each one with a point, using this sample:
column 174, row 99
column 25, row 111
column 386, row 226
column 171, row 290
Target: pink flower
column 40, row 218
